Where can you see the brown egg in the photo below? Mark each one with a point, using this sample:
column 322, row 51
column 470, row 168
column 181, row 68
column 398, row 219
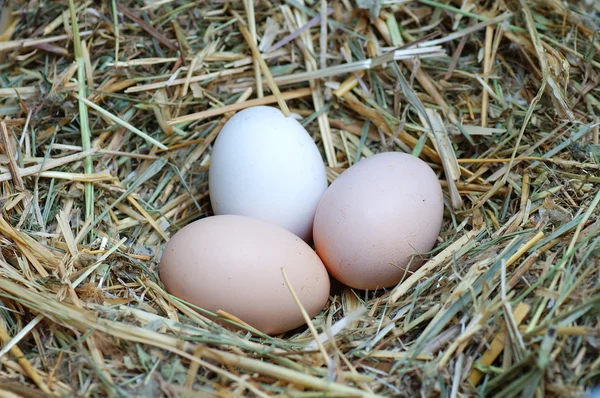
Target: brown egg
column 375, row 217
column 233, row 263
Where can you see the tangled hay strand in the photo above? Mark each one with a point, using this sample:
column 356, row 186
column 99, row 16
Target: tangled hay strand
column 109, row 110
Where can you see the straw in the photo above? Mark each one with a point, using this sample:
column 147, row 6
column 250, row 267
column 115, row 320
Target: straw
column 109, row 111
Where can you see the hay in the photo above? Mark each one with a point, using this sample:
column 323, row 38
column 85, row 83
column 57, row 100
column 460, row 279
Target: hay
column 109, row 112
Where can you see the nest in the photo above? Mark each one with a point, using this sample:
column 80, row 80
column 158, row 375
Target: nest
column 109, row 110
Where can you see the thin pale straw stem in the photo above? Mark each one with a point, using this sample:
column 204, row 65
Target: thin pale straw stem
column 121, row 122
column 263, row 65
column 269, row 99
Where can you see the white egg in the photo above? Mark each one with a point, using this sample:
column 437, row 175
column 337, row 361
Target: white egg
column 265, row 165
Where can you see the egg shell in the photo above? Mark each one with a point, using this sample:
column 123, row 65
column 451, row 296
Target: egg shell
column 233, row 263
column 265, row 165
column 375, row 216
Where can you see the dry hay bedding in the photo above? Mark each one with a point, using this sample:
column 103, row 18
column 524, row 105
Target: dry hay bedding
column 508, row 303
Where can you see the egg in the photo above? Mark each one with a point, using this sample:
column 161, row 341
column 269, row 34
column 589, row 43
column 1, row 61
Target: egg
column 233, row 263
column 375, row 217
column 265, row 165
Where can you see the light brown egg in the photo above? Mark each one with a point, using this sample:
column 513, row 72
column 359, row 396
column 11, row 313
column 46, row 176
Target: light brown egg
column 233, row 263
column 375, row 217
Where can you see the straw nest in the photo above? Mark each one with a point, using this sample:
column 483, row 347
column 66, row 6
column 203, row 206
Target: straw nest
column 109, row 110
